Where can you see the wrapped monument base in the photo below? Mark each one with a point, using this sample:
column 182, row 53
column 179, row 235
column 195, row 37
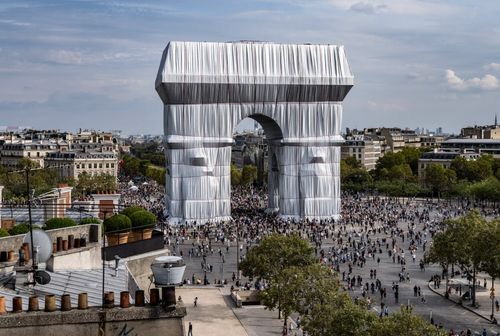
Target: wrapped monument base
column 293, row 91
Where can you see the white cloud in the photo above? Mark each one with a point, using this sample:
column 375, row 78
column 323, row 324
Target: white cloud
column 15, row 23
column 367, row 8
column 487, row 83
column 66, row 57
column 410, row 7
column 492, row 66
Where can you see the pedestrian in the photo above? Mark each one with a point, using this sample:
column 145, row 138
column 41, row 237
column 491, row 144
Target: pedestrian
column 196, row 301
column 190, row 329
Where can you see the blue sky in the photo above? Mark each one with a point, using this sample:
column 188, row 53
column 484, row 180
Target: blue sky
column 92, row 64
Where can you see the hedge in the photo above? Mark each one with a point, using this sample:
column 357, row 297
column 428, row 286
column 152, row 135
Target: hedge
column 143, row 219
column 58, row 223
column 117, row 223
column 4, row 233
column 130, row 210
column 90, row 220
column 19, row 229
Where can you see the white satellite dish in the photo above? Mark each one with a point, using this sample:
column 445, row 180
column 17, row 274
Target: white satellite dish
column 42, row 243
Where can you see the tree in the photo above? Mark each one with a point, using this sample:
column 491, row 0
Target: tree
column 444, row 251
column 131, row 165
column 439, row 178
column 338, row 316
column 298, row 289
column 352, row 162
column 276, row 252
column 248, row 174
column 271, row 257
column 235, row 175
column 401, row 172
column 358, row 179
column 462, row 242
column 403, row 322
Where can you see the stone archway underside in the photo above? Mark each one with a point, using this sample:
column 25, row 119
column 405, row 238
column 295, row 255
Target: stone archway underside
column 208, row 88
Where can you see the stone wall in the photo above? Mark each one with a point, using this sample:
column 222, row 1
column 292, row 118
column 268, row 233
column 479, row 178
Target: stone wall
column 116, row 321
column 89, row 230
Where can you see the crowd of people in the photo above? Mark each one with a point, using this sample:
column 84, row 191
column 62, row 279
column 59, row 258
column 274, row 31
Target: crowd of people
column 372, row 230
column 145, row 193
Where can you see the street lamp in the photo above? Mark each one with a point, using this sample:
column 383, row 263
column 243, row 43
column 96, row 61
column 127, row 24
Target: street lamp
column 237, row 250
column 492, row 297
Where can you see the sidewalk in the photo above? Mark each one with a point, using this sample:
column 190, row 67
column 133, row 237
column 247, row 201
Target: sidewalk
column 213, row 316
column 483, row 299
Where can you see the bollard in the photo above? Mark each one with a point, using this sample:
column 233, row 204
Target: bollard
column 65, row 245
column 109, row 300
column 11, row 256
column 124, row 299
column 154, row 296
column 83, row 301
column 33, row 303
column 65, row 302
column 2, row 305
column 77, row 242
column 59, row 244
column 17, row 304
column 139, row 298
column 50, row 303
column 71, row 242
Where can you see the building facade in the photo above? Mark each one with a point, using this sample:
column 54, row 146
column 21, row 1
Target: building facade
column 69, row 165
column 364, row 149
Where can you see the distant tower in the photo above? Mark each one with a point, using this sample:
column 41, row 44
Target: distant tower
column 496, row 123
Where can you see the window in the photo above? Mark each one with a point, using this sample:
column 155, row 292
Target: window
column 29, row 154
column 107, row 165
column 95, row 165
column 100, row 165
column 112, row 165
column 37, row 154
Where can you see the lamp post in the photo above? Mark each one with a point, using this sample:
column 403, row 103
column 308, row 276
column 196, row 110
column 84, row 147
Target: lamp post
column 492, row 296
column 237, row 251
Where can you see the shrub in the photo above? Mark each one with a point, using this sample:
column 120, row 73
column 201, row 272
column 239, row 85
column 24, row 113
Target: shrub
column 143, row 219
column 117, row 223
column 58, row 223
column 130, row 210
column 4, row 233
column 90, row 220
column 19, row 229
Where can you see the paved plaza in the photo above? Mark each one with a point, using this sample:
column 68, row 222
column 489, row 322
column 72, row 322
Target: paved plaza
column 258, row 321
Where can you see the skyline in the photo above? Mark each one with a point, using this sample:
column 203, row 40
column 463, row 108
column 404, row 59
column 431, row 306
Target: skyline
column 92, row 64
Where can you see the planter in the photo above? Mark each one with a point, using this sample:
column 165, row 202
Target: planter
column 146, row 233
column 117, row 238
column 136, row 235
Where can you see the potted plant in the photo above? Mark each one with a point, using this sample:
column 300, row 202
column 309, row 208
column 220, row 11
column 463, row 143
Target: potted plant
column 117, row 229
column 131, row 209
column 142, row 225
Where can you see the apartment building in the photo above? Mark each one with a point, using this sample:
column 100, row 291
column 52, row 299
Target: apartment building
column 72, row 164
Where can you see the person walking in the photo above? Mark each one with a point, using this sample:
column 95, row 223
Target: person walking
column 196, row 301
column 190, row 329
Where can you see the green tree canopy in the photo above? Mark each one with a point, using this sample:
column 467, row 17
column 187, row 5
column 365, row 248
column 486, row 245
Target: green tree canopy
column 274, row 253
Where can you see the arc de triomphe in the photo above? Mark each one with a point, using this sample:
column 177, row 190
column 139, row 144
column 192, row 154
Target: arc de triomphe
column 295, row 91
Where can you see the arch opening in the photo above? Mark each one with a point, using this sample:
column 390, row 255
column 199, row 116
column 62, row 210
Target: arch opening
column 256, row 143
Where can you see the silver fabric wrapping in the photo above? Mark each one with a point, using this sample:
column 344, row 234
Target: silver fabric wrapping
column 293, row 91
